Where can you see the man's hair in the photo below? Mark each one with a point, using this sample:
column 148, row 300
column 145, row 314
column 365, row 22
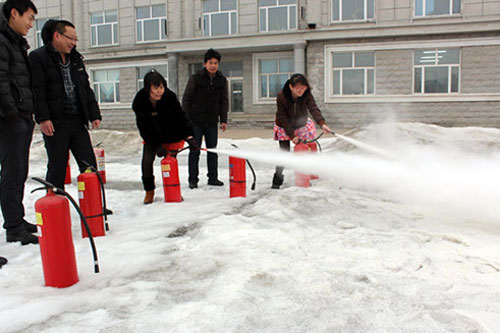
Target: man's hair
column 61, row 25
column 153, row 78
column 52, row 26
column 211, row 53
column 20, row 5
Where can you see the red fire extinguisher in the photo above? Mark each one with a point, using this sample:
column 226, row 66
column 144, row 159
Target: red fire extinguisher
column 89, row 193
column 301, row 179
column 170, row 176
column 101, row 165
column 56, row 241
column 313, row 148
column 67, row 179
column 237, row 177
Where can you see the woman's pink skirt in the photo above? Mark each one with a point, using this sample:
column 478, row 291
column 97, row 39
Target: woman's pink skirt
column 307, row 132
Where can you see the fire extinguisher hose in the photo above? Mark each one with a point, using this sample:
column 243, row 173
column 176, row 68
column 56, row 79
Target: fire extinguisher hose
column 315, row 140
column 57, row 190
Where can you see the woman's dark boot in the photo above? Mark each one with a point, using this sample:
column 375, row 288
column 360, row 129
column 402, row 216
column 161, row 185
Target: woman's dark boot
column 278, row 178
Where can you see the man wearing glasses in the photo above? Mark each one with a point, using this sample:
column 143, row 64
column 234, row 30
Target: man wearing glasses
column 65, row 103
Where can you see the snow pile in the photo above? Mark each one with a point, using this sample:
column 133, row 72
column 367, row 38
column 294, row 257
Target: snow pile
column 376, row 244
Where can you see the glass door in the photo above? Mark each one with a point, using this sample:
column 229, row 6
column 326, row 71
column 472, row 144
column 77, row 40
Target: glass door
column 236, row 95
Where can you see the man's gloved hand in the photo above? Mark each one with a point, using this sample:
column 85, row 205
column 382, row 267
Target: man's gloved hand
column 192, row 144
column 161, row 151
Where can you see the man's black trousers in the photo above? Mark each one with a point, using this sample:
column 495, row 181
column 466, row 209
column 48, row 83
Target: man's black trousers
column 210, row 133
column 70, row 134
column 15, row 141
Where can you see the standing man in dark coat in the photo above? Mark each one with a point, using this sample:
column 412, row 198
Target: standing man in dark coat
column 205, row 101
column 65, row 102
column 16, row 117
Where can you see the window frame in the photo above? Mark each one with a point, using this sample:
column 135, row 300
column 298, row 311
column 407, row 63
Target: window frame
column 257, row 99
column 288, row 16
column 330, row 78
column 436, row 65
column 160, row 19
column 116, row 86
column 209, row 15
column 94, row 27
column 424, row 15
column 365, row 13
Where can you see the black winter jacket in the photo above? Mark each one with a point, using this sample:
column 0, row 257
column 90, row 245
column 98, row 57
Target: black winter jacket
column 205, row 100
column 48, row 84
column 164, row 124
column 16, row 96
column 292, row 114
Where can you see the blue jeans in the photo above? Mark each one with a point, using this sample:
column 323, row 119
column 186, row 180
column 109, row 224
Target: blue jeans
column 210, row 134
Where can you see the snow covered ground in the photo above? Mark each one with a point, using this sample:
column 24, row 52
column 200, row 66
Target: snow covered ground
column 409, row 243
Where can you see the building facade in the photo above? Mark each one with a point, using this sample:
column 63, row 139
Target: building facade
column 433, row 61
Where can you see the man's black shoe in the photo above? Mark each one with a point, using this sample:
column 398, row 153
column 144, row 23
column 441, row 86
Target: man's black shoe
column 193, row 185
column 29, row 227
column 3, row 261
column 215, row 182
column 22, row 236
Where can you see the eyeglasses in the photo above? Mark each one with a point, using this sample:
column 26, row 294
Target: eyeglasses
column 73, row 39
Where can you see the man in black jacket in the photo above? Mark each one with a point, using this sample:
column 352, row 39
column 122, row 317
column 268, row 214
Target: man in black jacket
column 205, row 101
column 16, row 117
column 65, row 102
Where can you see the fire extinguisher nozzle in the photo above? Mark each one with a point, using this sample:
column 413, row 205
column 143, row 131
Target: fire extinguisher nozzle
column 96, row 268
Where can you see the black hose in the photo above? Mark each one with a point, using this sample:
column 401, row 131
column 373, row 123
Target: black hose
column 73, row 202
column 315, row 140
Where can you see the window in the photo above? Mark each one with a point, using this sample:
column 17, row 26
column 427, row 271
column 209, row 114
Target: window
column 219, row 17
column 143, row 70
column 151, row 23
column 353, row 73
column 104, row 28
column 273, row 72
column 436, row 71
column 277, row 15
column 39, row 25
column 436, row 7
column 349, row 10
column 107, row 85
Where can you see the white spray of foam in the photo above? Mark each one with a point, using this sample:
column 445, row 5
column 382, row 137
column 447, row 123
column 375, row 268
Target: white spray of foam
column 463, row 186
column 367, row 147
